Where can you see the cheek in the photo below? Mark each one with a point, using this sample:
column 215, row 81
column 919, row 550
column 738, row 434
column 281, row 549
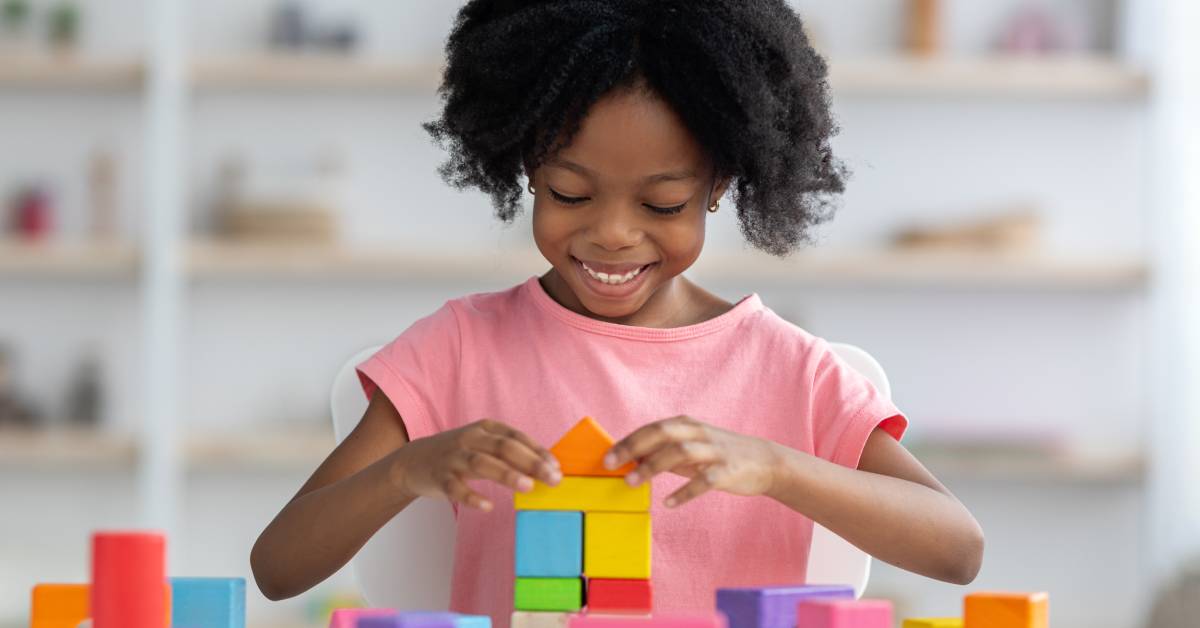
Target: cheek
column 684, row 240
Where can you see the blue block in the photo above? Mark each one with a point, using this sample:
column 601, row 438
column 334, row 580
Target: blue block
column 422, row 619
column 772, row 607
column 208, row 602
column 549, row 544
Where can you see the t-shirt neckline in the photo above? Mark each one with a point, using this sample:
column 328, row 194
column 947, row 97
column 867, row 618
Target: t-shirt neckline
column 744, row 307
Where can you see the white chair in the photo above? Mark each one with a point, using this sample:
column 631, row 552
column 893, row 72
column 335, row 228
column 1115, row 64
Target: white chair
column 407, row 564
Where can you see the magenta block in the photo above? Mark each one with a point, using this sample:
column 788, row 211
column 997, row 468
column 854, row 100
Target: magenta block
column 584, row 620
column 348, row 617
column 837, row 613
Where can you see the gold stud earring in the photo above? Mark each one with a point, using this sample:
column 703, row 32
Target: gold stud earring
column 530, row 186
column 714, row 207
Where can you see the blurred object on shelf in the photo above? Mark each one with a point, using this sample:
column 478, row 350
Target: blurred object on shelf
column 32, row 213
column 14, row 25
column 1013, row 230
column 295, row 203
column 293, row 29
column 85, row 396
column 924, row 27
column 1178, row 603
column 1034, row 29
column 13, row 409
column 102, row 194
column 63, row 24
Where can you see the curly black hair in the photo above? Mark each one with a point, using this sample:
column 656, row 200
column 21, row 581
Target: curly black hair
column 741, row 74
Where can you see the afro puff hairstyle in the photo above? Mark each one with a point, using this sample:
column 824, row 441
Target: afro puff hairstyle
column 741, row 74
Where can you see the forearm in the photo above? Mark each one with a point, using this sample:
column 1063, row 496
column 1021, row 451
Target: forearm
column 320, row 531
column 900, row 522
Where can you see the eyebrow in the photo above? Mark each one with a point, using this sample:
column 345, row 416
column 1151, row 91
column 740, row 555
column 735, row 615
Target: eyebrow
column 680, row 175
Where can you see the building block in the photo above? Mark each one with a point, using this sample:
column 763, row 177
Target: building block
column 526, row 619
column 380, row 618
column 548, row 594
column 208, row 602
column 582, row 449
column 125, row 567
column 933, row 622
column 843, row 613
column 472, row 621
column 587, row 620
column 991, row 609
column 772, row 607
column 59, row 605
column 619, row 596
column 616, row 545
column 348, row 617
column 549, row 544
column 586, row 494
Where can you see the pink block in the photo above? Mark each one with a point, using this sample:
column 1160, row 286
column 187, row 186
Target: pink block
column 842, row 613
column 586, row 620
column 348, row 617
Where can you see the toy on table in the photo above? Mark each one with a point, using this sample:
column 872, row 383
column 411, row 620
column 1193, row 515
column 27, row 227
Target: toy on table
column 772, row 607
column 129, row 589
column 584, row 543
column 933, row 622
column 374, row 618
column 844, row 613
column 989, row 609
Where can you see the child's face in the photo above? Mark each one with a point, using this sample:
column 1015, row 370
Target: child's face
column 626, row 140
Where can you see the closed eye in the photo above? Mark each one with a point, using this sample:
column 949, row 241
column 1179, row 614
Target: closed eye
column 575, row 200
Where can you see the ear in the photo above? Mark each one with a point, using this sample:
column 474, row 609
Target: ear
column 719, row 189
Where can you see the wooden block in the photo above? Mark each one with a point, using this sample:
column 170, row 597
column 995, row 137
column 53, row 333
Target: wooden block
column 548, row 594
column 526, row 619
column 126, row 568
column 587, row 495
column 549, row 544
column 208, row 602
column 933, row 622
column 616, row 545
column 993, row 609
column 59, row 605
column 619, row 596
column 581, row 451
column 588, row 620
column 843, row 613
column 772, row 607
column 421, row 619
column 348, row 617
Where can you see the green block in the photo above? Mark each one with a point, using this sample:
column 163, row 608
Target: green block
column 548, row 594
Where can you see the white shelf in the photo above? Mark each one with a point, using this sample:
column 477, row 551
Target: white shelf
column 291, row 71
column 999, row 76
column 96, row 259
column 224, row 260
column 58, row 71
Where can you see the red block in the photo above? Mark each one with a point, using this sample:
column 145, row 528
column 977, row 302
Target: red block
column 619, row 596
column 128, row 575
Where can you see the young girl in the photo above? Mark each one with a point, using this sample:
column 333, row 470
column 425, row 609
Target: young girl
column 630, row 119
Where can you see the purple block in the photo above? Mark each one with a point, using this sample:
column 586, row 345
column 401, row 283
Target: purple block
column 772, row 607
column 410, row 620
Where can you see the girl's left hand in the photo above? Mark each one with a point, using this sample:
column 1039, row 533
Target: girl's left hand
column 712, row 457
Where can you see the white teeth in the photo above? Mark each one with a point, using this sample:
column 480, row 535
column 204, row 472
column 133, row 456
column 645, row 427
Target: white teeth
column 612, row 280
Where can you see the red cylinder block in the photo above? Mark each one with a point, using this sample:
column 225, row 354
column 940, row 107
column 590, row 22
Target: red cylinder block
column 128, row 575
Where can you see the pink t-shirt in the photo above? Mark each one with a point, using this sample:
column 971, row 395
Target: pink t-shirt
column 520, row 357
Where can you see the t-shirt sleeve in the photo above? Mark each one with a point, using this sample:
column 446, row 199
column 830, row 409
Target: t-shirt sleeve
column 846, row 407
column 418, row 371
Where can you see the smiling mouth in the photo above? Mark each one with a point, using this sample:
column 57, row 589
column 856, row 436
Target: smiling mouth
column 612, row 279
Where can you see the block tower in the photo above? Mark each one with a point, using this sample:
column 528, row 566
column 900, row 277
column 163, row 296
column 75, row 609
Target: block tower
column 585, row 542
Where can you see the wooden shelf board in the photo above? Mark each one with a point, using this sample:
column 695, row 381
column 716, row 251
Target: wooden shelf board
column 49, row 70
column 55, row 259
column 268, row 449
column 65, row 449
column 270, row 71
column 998, row 75
column 1111, row 467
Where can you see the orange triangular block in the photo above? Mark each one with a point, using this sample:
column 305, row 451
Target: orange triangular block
column 581, row 450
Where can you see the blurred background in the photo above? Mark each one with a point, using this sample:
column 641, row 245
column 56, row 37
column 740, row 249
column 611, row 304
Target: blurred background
column 208, row 207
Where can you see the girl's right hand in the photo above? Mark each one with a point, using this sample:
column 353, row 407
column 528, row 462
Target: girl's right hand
column 440, row 465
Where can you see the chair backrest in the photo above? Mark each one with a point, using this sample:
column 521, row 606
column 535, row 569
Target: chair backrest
column 407, row 564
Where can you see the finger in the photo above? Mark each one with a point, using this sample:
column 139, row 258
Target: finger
column 673, row 456
column 477, row 464
column 457, row 490
column 517, row 455
column 501, row 429
column 699, row 485
column 648, row 438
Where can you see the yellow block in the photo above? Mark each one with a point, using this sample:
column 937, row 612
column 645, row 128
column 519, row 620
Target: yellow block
column 587, row 494
column 60, row 605
column 1006, row 610
column 616, row 545
column 933, row 622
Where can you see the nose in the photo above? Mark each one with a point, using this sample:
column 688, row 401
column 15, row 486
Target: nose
column 615, row 227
